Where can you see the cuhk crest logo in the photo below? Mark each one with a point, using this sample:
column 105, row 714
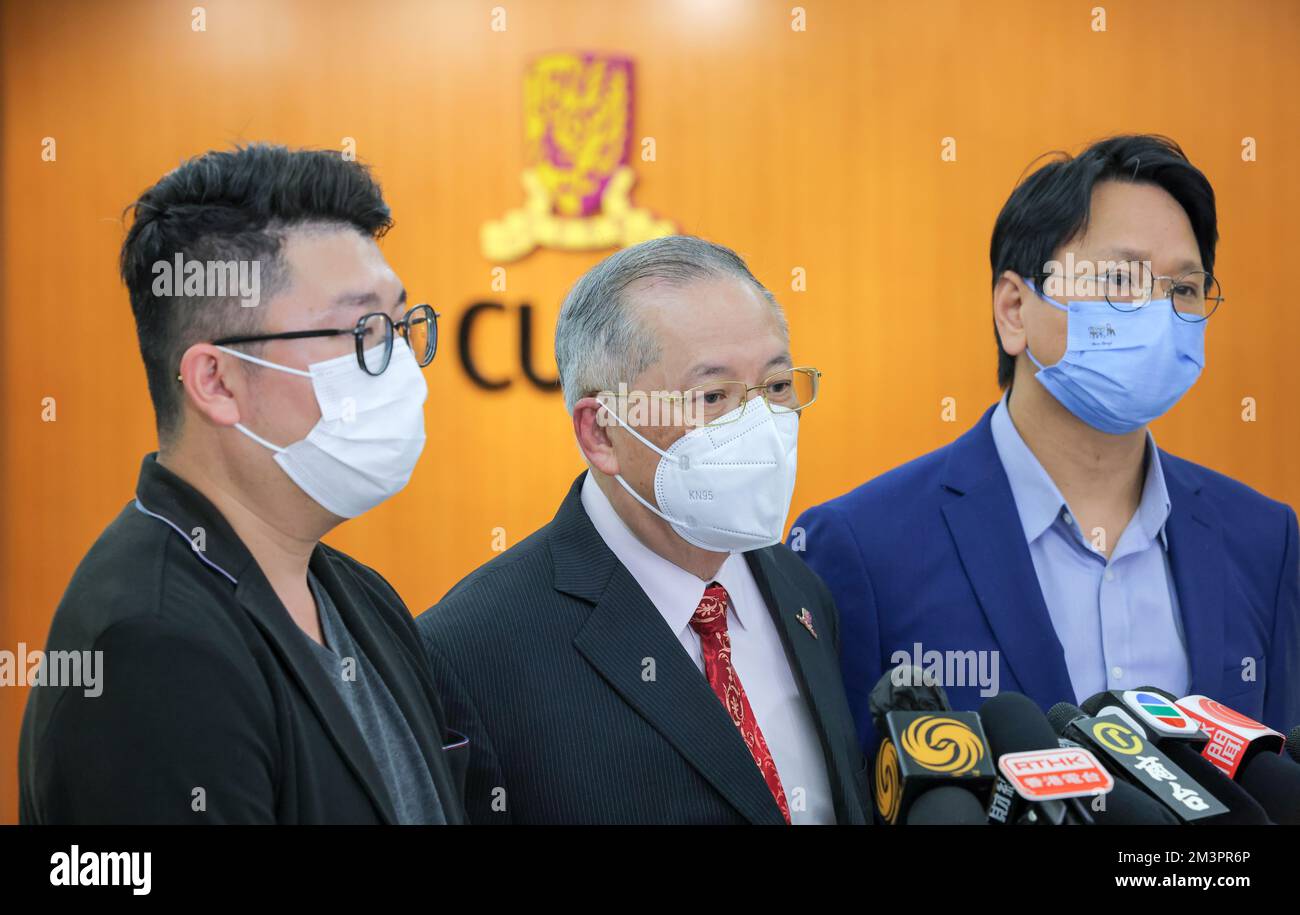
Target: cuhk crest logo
column 578, row 180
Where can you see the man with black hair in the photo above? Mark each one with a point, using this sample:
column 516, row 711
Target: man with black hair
column 249, row 673
column 1054, row 546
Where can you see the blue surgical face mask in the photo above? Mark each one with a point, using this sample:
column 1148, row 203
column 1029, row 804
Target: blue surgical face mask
column 1121, row 370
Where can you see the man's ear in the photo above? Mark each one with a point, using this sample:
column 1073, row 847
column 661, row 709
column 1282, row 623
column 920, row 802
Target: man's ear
column 1009, row 297
column 206, row 374
column 591, row 425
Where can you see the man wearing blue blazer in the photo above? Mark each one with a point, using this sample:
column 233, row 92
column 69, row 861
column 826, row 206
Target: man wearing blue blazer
column 1053, row 549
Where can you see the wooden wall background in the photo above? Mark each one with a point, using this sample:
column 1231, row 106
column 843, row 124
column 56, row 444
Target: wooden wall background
column 817, row 149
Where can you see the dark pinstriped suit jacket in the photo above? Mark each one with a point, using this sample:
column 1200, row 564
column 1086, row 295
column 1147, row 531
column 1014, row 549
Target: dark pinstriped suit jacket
column 543, row 658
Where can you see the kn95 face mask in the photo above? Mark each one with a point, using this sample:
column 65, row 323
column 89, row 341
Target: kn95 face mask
column 726, row 487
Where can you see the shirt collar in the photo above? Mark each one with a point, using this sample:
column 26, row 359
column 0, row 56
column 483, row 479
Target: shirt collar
column 1039, row 502
column 674, row 591
column 1153, row 510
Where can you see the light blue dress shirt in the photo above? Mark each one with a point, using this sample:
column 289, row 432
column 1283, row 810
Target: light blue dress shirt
column 1117, row 620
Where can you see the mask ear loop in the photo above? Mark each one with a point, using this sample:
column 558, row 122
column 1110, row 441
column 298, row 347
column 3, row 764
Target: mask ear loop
column 270, row 365
column 642, row 439
column 257, row 438
column 263, row 362
column 628, row 486
column 1050, row 301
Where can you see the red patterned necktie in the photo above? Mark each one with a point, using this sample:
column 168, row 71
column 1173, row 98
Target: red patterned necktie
column 710, row 621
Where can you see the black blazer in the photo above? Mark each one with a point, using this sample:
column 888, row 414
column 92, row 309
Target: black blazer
column 543, row 655
column 209, row 689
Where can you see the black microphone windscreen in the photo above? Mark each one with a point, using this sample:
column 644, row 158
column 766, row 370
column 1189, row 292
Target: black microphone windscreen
column 905, row 689
column 1061, row 714
column 1162, row 692
column 1097, row 701
column 1243, row 810
column 1293, row 743
column 1013, row 723
column 1274, row 781
column 947, row 805
column 1126, row 805
column 1094, row 704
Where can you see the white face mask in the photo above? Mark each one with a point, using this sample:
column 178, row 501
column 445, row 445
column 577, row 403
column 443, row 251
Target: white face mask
column 727, row 487
column 369, row 436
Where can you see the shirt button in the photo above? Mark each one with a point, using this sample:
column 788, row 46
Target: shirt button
column 1110, row 576
column 1068, row 518
column 1117, row 673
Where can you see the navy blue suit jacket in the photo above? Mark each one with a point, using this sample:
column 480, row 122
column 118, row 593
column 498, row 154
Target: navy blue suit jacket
column 934, row 552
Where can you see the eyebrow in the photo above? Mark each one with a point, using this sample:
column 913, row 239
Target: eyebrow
column 710, row 370
column 1187, row 267
column 359, row 299
column 1132, row 254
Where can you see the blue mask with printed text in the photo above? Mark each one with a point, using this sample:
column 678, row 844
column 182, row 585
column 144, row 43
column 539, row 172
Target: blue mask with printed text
column 1121, row 370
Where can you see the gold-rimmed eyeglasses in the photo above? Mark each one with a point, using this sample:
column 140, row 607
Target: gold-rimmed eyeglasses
column 716, row 403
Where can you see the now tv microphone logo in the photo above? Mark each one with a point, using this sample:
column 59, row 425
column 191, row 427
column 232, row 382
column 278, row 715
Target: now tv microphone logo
column 1234, row 738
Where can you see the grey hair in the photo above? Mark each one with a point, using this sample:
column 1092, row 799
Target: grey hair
column 599, row 342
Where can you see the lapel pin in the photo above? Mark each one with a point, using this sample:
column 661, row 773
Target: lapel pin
column 805, row 617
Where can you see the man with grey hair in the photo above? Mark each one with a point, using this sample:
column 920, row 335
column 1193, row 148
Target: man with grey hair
column 655, row 654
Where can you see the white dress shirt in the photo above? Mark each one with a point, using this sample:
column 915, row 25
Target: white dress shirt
column 757, row 653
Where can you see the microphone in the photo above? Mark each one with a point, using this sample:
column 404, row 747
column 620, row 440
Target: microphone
column 1243, row 808
column 1039, row 781
column 905, row 689
column 1274, row 781
column 947, row 805
column 1127, row 753
column 1293, row 743
column 926, row 747
column 1129, row 806
column 1182, row 740
column 1151, row 710
column 1126, row 805
column 1234, row 739
column 1252, row 754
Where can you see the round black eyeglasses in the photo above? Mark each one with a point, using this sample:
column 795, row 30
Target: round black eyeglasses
column 374, row 337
